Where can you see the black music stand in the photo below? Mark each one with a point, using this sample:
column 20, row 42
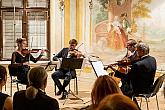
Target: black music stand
column 71, row 63
column 49, row 66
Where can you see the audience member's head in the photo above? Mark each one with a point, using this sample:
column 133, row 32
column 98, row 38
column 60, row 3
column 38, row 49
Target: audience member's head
column 37, row 78
column 103, row 86
column 3, row 76
column 117, row 102
column 142, row 49
column 7, row 103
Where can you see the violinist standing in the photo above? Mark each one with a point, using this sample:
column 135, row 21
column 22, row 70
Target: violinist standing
column 20, row 59
column 66, row 74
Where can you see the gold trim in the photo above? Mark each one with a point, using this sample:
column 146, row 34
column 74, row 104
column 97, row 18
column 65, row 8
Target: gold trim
column 79, row 5
column 91, row 38
column 66, row 22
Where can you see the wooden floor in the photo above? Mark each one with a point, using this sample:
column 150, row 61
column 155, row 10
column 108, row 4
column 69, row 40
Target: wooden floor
column 85, row 83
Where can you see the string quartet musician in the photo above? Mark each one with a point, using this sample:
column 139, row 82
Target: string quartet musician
column 129, row 58
column 140, row 78
column 66, row 74
column 20, row 59
column 124, row 66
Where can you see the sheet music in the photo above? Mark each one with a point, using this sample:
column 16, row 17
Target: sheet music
column 99, row 68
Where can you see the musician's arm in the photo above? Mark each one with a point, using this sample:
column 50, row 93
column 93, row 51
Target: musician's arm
column 35, row 59
column 111, row 66
column 79, row 54
column 13, row 58
column 134, row 72
column 59, row 55
column 117, row 73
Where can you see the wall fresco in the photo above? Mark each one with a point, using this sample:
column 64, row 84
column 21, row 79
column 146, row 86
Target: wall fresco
column 143, row 20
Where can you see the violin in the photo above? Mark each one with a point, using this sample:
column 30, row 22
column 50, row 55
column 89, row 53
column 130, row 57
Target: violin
column 123, row 63
column 75, row 53
column 27, row 51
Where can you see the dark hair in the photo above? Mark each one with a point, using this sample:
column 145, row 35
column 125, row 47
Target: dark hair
column 3, row 73
column 103, row 86
column 20, row 40
column 73, row 41
column 117, row 102
column 124, row 14
column 132, row 42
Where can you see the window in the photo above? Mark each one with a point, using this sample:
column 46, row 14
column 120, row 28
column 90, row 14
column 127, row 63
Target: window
column 24, row 18
column 10, row 3
column 11, row 31
column 37, row 3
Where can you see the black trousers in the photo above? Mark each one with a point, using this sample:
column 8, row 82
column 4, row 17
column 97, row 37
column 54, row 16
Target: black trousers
column 63, row 74
column 22, row 74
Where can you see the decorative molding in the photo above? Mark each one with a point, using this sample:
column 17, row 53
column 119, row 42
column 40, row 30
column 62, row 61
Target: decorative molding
column 61, row 5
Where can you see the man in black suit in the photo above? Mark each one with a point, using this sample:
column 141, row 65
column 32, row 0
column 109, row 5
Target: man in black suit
column 142, row 73
column 65, row 74
column 131, row 55
column 127, row 61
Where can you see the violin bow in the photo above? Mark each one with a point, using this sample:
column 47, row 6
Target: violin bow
column 80, row 46
column 30, row 47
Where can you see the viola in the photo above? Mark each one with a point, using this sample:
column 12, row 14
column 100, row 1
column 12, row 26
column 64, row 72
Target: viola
column 27, row 51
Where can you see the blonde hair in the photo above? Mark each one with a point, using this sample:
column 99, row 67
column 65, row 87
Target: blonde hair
column 37, row 77
column 20, row 40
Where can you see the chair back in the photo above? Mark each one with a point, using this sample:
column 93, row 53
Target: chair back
column 158, row 84
column 13, row 69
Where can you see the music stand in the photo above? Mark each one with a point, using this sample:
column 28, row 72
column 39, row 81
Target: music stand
column 98, row 68
column 71, row 63
column 49, row 66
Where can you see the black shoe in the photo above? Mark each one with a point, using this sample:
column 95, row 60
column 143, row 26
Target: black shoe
column 64, row 95
column 59, row 93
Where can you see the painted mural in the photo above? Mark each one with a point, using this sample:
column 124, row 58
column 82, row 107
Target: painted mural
column 115, row 21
